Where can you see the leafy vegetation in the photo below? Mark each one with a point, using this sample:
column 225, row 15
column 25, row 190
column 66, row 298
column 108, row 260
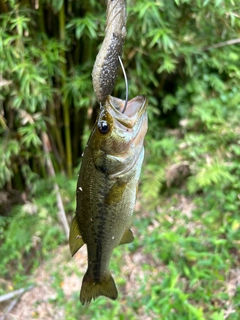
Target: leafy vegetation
column 184, row 55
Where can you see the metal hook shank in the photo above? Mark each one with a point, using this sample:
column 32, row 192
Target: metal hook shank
column 126, row 82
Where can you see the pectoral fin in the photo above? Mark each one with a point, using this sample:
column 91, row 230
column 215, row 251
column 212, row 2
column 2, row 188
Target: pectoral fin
column 116, row 193
column 75, row 238
column 127, row 237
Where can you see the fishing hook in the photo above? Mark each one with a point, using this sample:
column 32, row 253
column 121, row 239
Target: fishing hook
column 126, row 82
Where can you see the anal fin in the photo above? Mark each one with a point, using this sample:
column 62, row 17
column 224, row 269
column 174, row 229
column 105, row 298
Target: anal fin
column 127, row 237
column 75, row 238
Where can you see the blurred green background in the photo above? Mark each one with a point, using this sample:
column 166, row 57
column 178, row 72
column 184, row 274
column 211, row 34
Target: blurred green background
column 182, row 54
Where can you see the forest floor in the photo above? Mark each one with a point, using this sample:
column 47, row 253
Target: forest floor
column 38, row 302
column 144, row 280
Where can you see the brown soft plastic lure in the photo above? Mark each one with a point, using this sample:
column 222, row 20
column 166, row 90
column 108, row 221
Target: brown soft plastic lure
column 106, row 66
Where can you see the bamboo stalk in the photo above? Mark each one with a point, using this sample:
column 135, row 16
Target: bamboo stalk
column 61, row 212
column 3, row 7
column 66, row 110
column 79, row 123
column 41, row 17
column 56, row 132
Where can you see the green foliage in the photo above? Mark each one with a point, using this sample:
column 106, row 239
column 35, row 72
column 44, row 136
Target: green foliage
column 31, row 231
column 178, row 53
column 74, row 89
column 85, row 25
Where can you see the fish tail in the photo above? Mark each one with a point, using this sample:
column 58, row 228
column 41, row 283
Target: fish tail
column 91, row 289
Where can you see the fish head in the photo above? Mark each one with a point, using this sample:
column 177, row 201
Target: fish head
column 117, row 137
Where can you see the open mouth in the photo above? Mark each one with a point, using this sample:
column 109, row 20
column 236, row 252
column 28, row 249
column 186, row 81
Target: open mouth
column 135, row 108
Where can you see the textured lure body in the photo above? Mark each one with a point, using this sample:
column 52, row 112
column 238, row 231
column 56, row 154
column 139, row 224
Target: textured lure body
column 106, row 65
column 106, row 191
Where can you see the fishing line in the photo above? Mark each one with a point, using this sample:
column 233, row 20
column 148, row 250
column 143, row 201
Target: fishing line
column 126, row 82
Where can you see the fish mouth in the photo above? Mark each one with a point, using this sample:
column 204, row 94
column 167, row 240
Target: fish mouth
column 136, row 107
column 129, row 129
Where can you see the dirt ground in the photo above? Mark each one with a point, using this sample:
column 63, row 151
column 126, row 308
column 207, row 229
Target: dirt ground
column 36, row 302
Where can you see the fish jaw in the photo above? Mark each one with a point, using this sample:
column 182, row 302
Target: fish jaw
column 135, row 108
column 119, row 149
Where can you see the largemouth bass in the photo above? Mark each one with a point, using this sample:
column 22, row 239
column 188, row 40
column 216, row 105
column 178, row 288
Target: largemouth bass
column 106, row 191
column 105, row 69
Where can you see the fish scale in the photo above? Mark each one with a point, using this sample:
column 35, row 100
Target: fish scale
column 106, row 191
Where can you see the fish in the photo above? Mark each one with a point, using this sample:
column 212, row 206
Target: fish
column 106, row 191
column 105, row 69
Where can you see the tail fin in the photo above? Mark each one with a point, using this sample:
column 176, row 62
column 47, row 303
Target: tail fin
column 91, row 289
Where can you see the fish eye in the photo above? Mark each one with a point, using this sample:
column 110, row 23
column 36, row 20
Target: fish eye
column 103, row 127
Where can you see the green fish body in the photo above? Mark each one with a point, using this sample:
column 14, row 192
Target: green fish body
column 106, row 191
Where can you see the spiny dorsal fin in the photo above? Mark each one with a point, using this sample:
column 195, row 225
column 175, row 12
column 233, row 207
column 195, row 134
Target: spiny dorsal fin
column 127, row 237
column 75, row 238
